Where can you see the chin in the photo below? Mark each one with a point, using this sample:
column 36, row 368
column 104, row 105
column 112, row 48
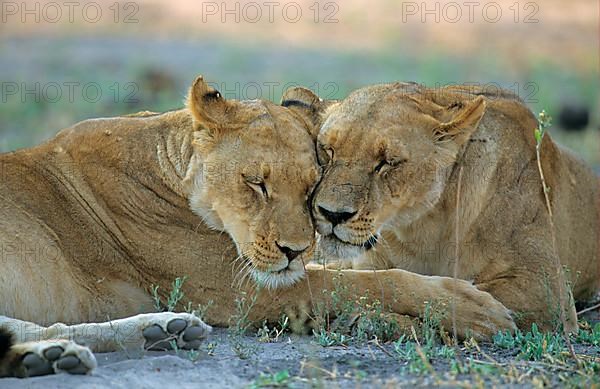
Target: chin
column 279, row 279
column 333, row 249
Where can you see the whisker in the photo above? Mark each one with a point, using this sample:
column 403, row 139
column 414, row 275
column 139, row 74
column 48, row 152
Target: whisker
column 248, row 272
column 241, row 274
column 247, row 275
column 236, row 264
column 235, row 270
column 236, row 259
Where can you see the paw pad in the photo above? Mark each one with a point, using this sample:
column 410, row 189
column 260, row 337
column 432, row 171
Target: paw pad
column 50, row 357
column 185, row 334
column 34, row 365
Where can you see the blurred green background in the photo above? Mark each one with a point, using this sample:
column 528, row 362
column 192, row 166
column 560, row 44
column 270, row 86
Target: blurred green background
column 143, row 55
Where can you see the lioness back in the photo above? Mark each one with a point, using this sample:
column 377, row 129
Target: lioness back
column 59, row 216
column 573, row 184
column 574, row 187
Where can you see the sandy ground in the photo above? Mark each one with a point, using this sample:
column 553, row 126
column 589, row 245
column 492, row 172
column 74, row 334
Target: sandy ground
column 225, row 370
column 308, row 364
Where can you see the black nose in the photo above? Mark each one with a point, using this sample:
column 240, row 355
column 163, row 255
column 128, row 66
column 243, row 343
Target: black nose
column 336, row 217
column 289, row 253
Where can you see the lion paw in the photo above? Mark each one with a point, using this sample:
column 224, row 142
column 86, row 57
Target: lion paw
column 477, row 313
column 52, row 356
column 164, row 331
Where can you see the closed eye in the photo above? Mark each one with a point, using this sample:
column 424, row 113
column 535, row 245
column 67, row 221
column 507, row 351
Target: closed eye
column 263, row 189
column 324, row 154
column 391, row 163
column 380, row 166
column 258, row 185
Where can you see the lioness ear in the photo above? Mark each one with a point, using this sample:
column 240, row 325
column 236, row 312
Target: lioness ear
column 463, row 124
column 307, row 104
column 208, row 107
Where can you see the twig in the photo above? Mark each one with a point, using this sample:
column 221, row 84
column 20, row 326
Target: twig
column 376, row 343
column 167, row 339
column 489, row 358
column 117, row 340
column 456, row 253
column 588, row 309
column 303, row 364
column 422, row 354
column 539, row 135
column 371, row 351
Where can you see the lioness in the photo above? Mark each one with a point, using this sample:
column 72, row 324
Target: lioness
column 92, row 218
column 394, row 158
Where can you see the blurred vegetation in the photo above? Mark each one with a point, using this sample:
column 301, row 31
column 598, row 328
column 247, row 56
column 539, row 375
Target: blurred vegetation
column 135, row 75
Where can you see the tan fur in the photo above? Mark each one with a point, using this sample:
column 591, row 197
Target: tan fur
column 504, row 235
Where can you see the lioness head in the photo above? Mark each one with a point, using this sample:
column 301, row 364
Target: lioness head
column 253, row 168
column 387, row 151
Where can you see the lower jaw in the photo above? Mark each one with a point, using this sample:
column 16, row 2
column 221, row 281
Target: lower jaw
column 364, row 246
column 333, row 248
column 279, row 279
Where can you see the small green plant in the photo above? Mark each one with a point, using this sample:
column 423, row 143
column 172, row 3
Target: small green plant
column 373, row 322
column 174, row 346
column 406, row 351
column 281, row 379
column 431, row 326
column 349, row 318
column 158, row 306
column 239, row 326
column 200, row 310
column 175, row 295
column 330, row 338
column 533, row 345
column 192, row 355
column 210, row 348
column 418, row 357
column 588, row 334
column 446, row 352
column 266, row 334
column 544, row 122
column 419, row 353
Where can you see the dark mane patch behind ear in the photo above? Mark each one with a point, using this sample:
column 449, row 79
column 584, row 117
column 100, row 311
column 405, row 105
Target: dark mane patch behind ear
column 211, row 96
column 296, row 103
